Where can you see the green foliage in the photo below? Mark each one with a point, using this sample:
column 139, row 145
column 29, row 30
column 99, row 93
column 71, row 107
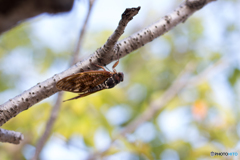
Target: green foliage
column 211, row 125
column 16, row 38
column 234, row 77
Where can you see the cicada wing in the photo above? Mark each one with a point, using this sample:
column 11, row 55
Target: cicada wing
column 82, row 82
column 81, row 95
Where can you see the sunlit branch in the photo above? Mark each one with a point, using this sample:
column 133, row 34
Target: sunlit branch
column 47, row 88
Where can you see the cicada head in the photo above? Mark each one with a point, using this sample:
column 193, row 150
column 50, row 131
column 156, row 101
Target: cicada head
column 118, row 77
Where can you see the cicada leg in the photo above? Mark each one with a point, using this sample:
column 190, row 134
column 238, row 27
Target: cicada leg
column 100, row 67
column 115, row 65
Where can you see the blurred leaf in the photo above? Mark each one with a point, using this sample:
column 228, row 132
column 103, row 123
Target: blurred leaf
column 234, row 77
column 18, row 36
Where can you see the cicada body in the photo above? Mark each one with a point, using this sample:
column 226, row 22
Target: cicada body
column 89, row 82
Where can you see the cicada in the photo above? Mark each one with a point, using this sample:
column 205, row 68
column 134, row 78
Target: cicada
column 89, row 82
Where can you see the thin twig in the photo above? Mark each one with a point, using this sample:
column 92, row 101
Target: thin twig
column 58, row 103
column 180, row 83
column 76, row 54
column 48, row 129
column 156, row 105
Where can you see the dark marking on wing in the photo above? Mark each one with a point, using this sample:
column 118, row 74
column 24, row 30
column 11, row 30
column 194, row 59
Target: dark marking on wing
column 82, row 82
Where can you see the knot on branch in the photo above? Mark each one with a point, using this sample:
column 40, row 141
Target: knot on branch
column 195, row 4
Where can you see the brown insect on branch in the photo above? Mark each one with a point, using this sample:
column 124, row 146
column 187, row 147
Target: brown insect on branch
column 102, row 57
column 56, row 107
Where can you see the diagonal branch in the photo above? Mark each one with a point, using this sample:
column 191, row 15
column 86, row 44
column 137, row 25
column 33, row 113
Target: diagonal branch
column 47, row 88
column 49, row 126
column 156, row 105
column 181, row 82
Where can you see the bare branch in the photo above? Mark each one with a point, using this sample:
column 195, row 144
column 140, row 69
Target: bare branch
column 49, row 126
column 10, row 136
column 156, row 105
column 47, row 88
column 182, row 81
column 75, row 58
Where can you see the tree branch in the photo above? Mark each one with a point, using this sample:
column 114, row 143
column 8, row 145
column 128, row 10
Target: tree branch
column 182, row 81
column 47, row 88
column 156, row 105
column 10, row 136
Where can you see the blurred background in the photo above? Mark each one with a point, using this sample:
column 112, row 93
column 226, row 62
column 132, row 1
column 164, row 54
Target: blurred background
column 200, row 119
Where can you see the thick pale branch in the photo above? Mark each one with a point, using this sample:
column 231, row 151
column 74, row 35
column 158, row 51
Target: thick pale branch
column 47, row 88
column 10, row 136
